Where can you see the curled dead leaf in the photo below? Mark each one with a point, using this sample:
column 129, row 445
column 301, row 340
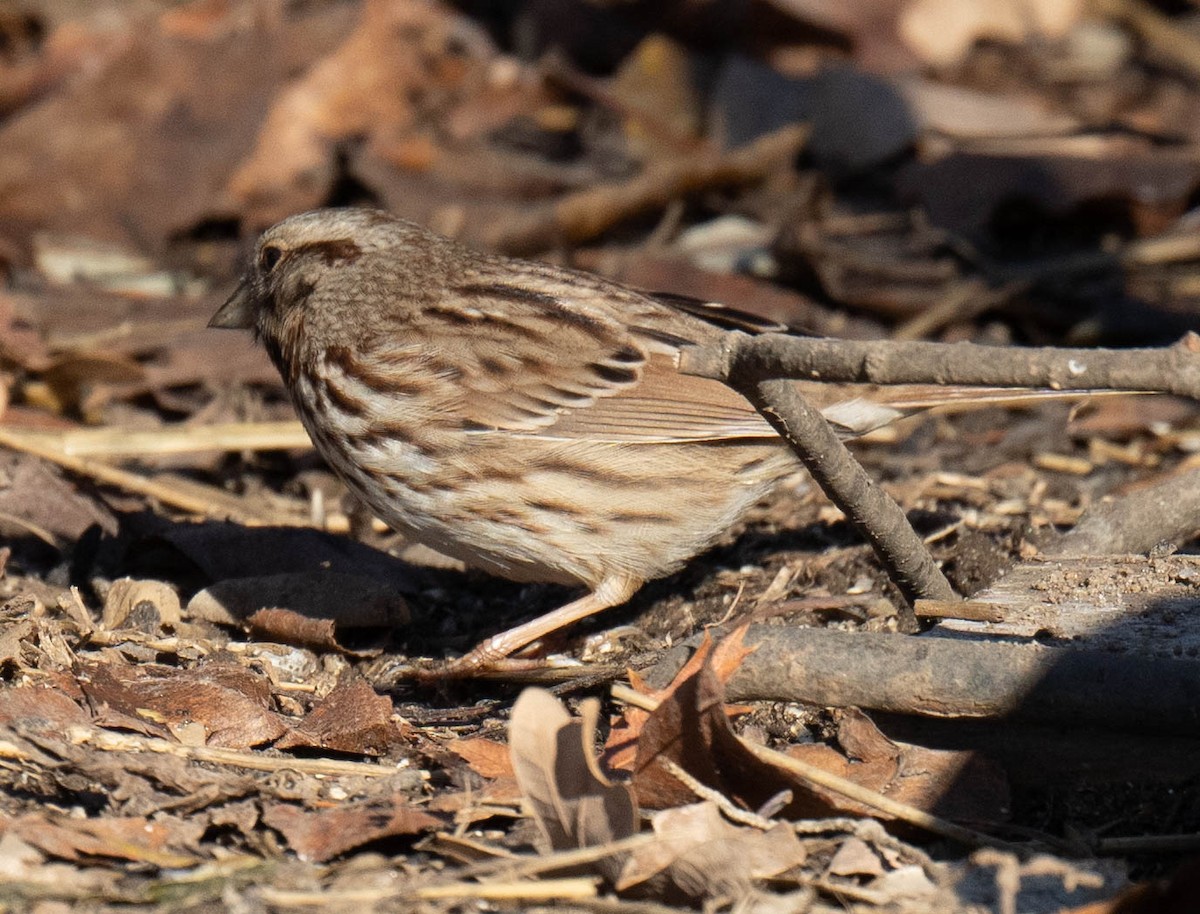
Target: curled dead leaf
column 145, row 605
column 573, row 803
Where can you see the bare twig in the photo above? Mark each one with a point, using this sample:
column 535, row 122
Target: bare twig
column 872, row 511
column 567, row 889
column 1174, row 369
column 183, row 495
column 108, row 741
column 175, row 439
column 1168, row 511
column 585, row 214
column 968, row 610
column 729, row 809
column 203, row 504
column 753, row 365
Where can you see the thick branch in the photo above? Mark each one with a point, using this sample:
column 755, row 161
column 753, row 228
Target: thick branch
column 872, row 511
column 1174, row 369
column 951, row 677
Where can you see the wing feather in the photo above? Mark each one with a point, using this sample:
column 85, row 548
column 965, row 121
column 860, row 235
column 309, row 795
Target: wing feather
column 570, row 360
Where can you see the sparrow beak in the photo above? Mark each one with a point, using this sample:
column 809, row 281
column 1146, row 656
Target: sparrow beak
column 238, row 312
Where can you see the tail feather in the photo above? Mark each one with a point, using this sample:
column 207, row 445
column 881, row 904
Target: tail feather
column 862, row 414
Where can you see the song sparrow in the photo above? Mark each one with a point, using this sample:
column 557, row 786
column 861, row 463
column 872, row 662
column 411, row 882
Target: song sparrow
column 527, row 419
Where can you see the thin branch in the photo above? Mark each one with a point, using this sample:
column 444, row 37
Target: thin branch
column 872, row 511
column 1167, row 511
column 183, row 495
column 753, row 365
column 585, row 214
column 1173, row 369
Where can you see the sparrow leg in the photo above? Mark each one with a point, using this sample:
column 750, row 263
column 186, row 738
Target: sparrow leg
column 611, row 591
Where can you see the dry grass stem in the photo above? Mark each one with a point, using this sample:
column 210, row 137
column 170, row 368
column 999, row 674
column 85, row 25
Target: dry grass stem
column 255, row 761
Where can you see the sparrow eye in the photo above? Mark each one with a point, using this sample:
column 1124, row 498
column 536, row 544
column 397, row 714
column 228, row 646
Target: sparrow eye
column 268, row 257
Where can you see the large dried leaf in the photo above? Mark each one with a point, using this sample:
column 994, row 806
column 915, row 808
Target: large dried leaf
column 229, row 703
column 36, row 708
column 486, row 757
column 690, row 728
column 958, row 785
column 369, row 87
column 37, row 501
column 323, row 835
column 571, row 800
column 134, row 839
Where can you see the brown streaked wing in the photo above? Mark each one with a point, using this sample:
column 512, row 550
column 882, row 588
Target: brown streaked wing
column 505, row 357
column 559, row 361
column 665, row 407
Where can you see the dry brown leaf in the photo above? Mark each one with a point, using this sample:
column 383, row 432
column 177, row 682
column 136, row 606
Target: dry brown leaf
column 229, row 702
column 36, row 500
column 13, row 636
column 855, row 858
column 36, row 708
column 135, row 839
column 571, row 800
column 707, row 857
column 729, row 653
column 655, row 84
column 20, row 861
column 953, row 784
column 691, row 728
column 321, row 836
column 474, row 805
column 140, row 145
column 367, row 87
column 486, row 757
column 352, row 718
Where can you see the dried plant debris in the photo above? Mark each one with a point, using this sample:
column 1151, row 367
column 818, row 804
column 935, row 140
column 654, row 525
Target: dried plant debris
column 215, row 685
